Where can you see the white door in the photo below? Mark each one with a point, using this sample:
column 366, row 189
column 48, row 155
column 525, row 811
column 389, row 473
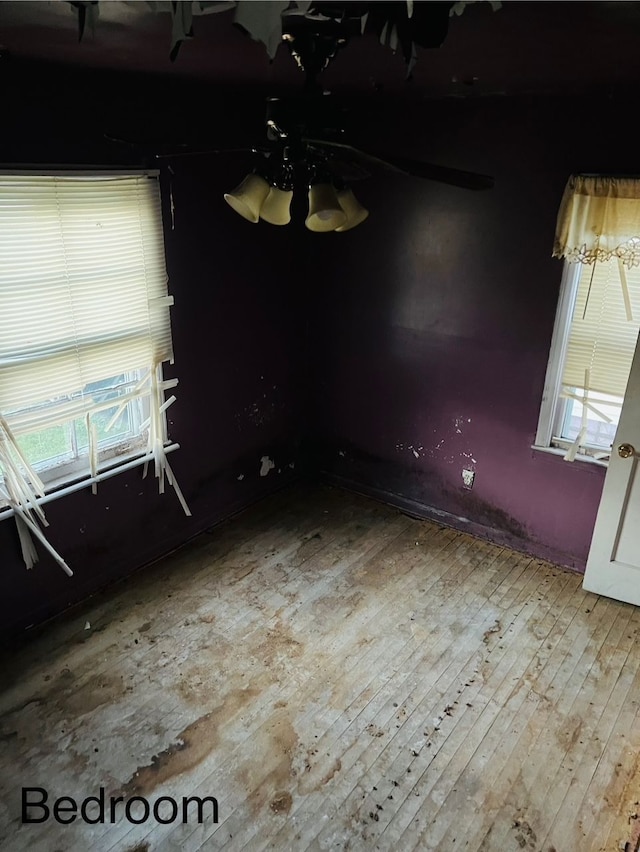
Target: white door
column 613, row 566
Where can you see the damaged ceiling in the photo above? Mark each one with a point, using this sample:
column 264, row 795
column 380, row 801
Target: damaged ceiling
column 519, row 48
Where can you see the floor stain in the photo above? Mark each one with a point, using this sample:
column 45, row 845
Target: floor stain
column 487, row 633
column 344, row 604
column 93, row 693
column 568, row 733
column 201, row 681
column 192, row 746
column 375, row 731
column 318, row 773
column 237, row 573
column 342, row 695
column 68, row 695
column 281, row 802
column 279, row 647
column 621, row 794
column 269, row 769
column 525, row 835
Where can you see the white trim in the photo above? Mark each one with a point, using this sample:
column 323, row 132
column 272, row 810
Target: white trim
column 564, row 314
column 110, row 471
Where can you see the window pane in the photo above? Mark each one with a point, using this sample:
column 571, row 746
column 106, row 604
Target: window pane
column 48, row 447
column 66, row 442
column 125, row 426
column 600, row 433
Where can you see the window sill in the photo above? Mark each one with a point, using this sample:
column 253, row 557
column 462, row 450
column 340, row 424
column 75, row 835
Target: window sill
column 111, row 468
column 58, row 475
column 558, row 451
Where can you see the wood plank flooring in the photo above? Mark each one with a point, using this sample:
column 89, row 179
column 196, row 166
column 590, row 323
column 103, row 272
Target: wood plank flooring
column 338, row 676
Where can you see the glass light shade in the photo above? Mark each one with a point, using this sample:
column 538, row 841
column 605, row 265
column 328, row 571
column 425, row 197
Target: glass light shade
column 325, row 213
column 248, row 197
column 355, row 212
column 276, row 208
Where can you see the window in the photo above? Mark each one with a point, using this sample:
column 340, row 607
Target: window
column 84, row 331
column 591, row 352
column 598, row 316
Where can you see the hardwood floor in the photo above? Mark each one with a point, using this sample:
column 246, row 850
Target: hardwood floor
column 337, row 676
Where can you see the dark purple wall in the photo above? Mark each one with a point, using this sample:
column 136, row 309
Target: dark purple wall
column 433, row 322
column 236, row 341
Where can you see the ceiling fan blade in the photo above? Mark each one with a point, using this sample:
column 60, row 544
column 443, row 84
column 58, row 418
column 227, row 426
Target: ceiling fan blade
column 164, row 150
column 348, row 169
column 445, row 174
column 203, row 152
column 408, row 167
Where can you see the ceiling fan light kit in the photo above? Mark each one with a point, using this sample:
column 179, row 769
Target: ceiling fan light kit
column 258, row 198
column 325, row 213
column 355, row 212
column 249, row 196
column 254, row 199
column 276, row 209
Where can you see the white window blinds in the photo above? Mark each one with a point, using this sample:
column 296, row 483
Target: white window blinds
column 603, row 336
column 83, row 297
column 83, row 283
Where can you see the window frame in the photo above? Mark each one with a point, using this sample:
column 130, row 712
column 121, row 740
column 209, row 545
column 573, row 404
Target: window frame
column 553, row 407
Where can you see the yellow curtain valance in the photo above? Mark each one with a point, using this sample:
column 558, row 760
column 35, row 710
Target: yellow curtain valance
column 599, row 219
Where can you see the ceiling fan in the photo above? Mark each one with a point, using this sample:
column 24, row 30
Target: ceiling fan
column 305, row 144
